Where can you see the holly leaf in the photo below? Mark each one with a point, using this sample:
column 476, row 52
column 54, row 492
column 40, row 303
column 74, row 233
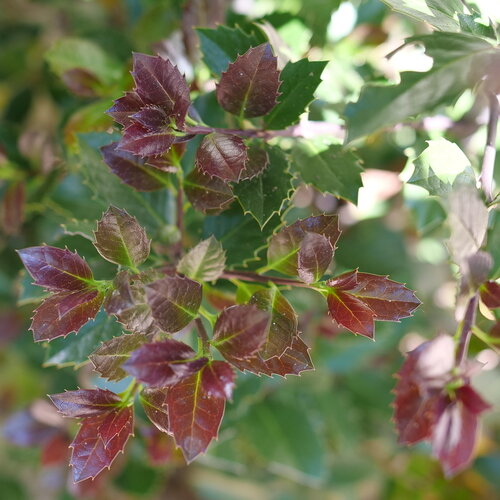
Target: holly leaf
column 249, row 86
column 490, row 294
column 174, row 302
column 460, row 60
column 217, row 380
column 356, row 300
column 114, row 422
column 125, row 107
column 89, row 455
column 222, row 45
column 121, row 239
column 207, row 194
column 162, row 364
column 134, row 170
column 257, row 162
column 195, row 416
column 64, row 313
column 222, row 155
column 299, row 81
column 154, row 402
column 56, row 269
column 142, row 141
column 314, row 257
column 266, row 194
column 110, row 356
column 289, row 246
column 334, row 170
column 204, row 262
column 282, row 328
column 85, row 402
column 240, row 331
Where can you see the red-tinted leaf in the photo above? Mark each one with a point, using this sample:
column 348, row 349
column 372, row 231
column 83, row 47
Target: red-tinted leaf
column 120, row 238
column 56, row 450
column 134, row 170
column 13, row 204
column 174, row 302
column 284, row 247
column 114, row 423
column 161, row 364
column 81, row 82
column 217, row 380
column 124, row 107
column 241, row 331
column 56, row 269
column 23, row 429
column 160, row 446
column 90, row 456
column 169, row 161
column 204, row 262
column 154, row 402
column 282, row 329
column 209, row 195
column 195, row 416
column 160, row 83
column 314, row 257
column 152, row 117
column 222, row 155
column 85, row 402
column 472, row 400
column 490, row 294
column 64, row 313
column 257, row 162
column 357, row 299
column 110, row 356
column 139, row 140
column 250, row 85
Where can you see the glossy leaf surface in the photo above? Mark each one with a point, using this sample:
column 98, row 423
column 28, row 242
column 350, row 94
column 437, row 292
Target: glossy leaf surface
column 204, row 262
column 217, row 380
column 154, row 402
column 490, row 294
column 85, row 402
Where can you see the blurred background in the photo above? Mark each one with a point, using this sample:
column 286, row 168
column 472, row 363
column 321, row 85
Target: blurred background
column 325, row 435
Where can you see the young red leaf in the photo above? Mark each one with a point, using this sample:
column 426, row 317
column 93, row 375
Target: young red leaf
column 314, row 257
column 121, row 239
column 160, row 446
column 204, row 262
column 285, row 245
column 125, row 107
column 141, row 141
column 174, row 302
column 85, row 402
column 56, row 269
column 134, row 170
column 162, row 364
column 110, row 356
column 257, row 162
column 56, row 450
column 194, row 415
column 13, row 208
column 249, row 87
column 490, row 294
column 357, row 299
column 152, row 117
column 222, row 155
column 207, row 194
column 114, row 423
column 241, row 331
column 217, row 380
column 63, row 313
column 90, row 456
column 154, row 402
column 282, row 329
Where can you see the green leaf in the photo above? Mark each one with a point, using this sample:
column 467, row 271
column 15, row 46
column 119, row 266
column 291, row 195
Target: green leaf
column 222, row 45
column 75, row 349
column 440, row 165
column 334, row 170
column 299, row 81
column 459, row 63
column 442, row 14
column 266, row 195
column 204, row 262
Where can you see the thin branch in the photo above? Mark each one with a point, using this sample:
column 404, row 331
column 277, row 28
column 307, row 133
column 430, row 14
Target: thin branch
column 258, row 278
column 490, row 150
column 179, row 218
column 466, row 330
column 203, row 335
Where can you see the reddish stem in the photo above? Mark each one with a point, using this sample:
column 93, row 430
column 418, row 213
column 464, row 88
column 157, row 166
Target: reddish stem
column 258, row 278
column 465, row 333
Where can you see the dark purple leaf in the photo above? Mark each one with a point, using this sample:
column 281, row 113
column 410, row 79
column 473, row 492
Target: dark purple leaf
column 257, row 162
column 154, row 402
column 209, row 195
column 249, row 87
column 121, row 239
column 490, row 294
column 472, row 400
column 13, row 205
column 85, row 402
column 241, row 331
column 169, row 161
column 56, row 269
column 152, row 118
column 174, row 302
column 134, row 170
column 194, row 416
column 217, row 380
column 162, row 364
column 64, row 313
column 139, row 140
column 222, row 155
column 124, row 107
column 110, row 356
column 314, row 257
column 114, row 423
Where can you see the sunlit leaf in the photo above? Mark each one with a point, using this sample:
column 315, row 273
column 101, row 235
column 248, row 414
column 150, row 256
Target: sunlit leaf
column 217, row 380
column 204, row 262
column 85, row 402
column 154, row 402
